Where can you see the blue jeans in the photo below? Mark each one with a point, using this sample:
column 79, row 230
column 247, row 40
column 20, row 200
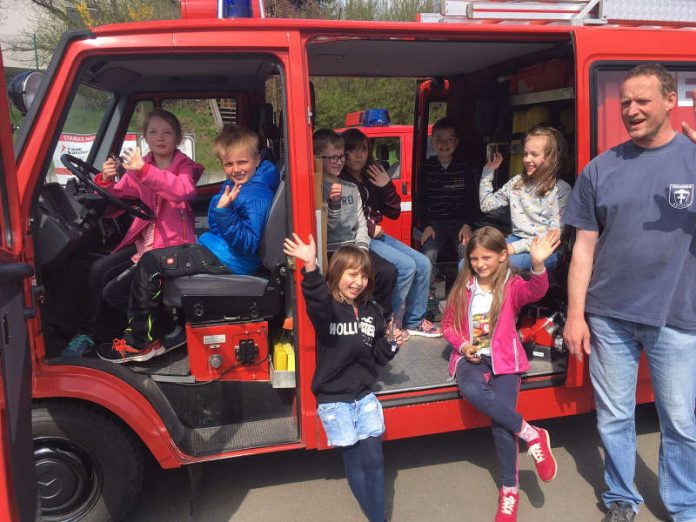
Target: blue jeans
column 412, row 279
column 671, row 355
column 346, row 423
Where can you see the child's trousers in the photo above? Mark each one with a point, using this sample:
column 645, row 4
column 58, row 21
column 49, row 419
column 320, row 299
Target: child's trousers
column 496, row 396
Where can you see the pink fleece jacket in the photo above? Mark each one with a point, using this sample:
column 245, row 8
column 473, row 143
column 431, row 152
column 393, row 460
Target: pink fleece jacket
column 507, row 353
column 167, row 193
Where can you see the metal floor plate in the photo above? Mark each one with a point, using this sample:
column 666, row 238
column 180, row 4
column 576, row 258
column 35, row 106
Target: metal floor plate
column 250, row 434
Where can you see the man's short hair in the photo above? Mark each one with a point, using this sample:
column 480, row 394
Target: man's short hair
column 324, row 137
column 667, row 83
column 234, row 136
column 445, row 124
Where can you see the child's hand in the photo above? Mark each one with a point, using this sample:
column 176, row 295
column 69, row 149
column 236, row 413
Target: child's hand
column 686, row 129
column 335, row 192
column 109, row 169
column 229, row 195
column 378, row 176
column 378, row 231
column 495, row 162
column 471, row 353
column 428, row 233
column 543, row 246
column 465, row 234
column 305, row 252
column 132, row 159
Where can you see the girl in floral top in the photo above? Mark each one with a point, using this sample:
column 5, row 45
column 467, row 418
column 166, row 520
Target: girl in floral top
column 536, row 197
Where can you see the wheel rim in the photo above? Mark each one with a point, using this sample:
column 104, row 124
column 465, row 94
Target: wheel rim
column 68, row 479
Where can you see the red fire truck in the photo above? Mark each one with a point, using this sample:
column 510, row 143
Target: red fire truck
column 85, row 423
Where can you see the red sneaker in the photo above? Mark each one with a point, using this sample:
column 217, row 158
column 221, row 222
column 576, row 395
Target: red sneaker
column 120, row 352
column 507, row 507
column 540, row 451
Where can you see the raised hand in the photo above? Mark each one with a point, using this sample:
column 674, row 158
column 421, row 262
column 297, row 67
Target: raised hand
column 378, row 176
column 229, row 195
column 543, row 246
column 305, row 252
column 132, row 159
column 495, row 162
column 335, row 192
column 686, row 128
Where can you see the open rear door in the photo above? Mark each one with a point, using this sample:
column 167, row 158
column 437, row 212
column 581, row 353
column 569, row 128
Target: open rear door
column 17, row 475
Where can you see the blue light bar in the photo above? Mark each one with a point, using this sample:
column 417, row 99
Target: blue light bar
column 235, row 9
column 375, row 117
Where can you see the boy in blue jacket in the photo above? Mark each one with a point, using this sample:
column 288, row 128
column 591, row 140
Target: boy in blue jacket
column 237, row 217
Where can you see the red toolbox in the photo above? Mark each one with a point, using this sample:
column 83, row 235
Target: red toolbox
column 229, row 352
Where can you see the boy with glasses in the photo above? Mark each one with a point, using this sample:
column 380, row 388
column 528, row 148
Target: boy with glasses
column 346, row 223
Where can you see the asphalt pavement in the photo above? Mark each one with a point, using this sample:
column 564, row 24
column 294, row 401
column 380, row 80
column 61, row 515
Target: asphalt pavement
column 448, row 477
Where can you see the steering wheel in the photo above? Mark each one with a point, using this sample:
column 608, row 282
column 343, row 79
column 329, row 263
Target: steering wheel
column 85, row 172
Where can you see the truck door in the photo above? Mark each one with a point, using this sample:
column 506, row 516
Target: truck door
column 17, row 475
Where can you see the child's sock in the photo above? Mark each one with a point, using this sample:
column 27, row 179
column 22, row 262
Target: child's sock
column 510, row 489
column 528, row 432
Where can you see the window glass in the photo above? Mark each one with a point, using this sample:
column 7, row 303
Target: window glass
column 387, row 151
column 88, row 109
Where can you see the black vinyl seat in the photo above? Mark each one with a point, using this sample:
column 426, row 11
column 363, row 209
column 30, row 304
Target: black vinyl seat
column 231, row 297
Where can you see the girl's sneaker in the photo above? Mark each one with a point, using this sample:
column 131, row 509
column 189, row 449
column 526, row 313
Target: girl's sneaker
column 540, row 451
column 120, row 352
column 507, row 507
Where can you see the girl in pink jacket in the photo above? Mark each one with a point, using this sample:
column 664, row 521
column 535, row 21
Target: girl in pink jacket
column 165, row 180
column 488, row 359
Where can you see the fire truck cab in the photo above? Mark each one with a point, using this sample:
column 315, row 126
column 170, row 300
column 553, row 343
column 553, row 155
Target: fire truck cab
column 241, row 386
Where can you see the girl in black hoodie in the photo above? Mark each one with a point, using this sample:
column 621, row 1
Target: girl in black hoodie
column 351, row 342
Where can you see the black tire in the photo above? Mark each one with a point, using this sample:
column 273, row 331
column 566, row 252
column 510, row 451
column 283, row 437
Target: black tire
column 89, row 467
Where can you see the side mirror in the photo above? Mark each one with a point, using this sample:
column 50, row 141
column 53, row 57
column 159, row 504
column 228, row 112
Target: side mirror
column 23, row 88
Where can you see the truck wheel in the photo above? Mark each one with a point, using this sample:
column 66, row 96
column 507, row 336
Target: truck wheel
column 88, row 466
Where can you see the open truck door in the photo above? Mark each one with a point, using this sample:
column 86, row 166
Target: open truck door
column 17, row 471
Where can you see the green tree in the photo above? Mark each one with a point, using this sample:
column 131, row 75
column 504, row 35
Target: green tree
column 56, row 17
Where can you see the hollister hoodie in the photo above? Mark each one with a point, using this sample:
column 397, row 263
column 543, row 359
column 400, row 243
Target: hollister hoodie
column 349, row 347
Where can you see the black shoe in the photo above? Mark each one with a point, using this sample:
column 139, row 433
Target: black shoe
column 620, row 511
column 174, row 339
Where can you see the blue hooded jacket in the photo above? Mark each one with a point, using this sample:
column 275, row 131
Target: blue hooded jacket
column 235, row 232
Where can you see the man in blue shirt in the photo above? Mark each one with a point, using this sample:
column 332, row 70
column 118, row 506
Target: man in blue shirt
column 632, row 285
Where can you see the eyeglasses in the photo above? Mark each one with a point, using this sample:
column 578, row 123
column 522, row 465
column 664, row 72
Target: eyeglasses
column 334, row 160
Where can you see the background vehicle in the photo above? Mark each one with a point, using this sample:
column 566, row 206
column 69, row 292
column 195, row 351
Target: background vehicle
column 220, row 397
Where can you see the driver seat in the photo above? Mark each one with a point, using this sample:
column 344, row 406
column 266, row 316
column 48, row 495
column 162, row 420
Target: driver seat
column 230, row 297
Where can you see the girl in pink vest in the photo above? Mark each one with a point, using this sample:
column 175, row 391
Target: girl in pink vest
column 488, row 359
column 165, row 180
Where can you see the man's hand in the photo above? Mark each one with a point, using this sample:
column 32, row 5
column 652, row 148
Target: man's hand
column 335, row 192
column 378, row 176
column 465, row 234
column 576, row 335
column 378, row 231
column 428, row 233
column 686, row 129
column 305, row 252
column 229, row 195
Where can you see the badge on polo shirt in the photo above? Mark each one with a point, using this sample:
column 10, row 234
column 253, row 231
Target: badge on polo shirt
column 681, row 196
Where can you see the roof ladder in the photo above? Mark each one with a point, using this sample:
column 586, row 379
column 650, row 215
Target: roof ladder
column 591, row 12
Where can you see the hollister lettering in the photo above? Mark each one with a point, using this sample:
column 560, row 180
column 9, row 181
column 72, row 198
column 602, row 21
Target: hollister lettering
column 343, row 328
column 681, row 196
